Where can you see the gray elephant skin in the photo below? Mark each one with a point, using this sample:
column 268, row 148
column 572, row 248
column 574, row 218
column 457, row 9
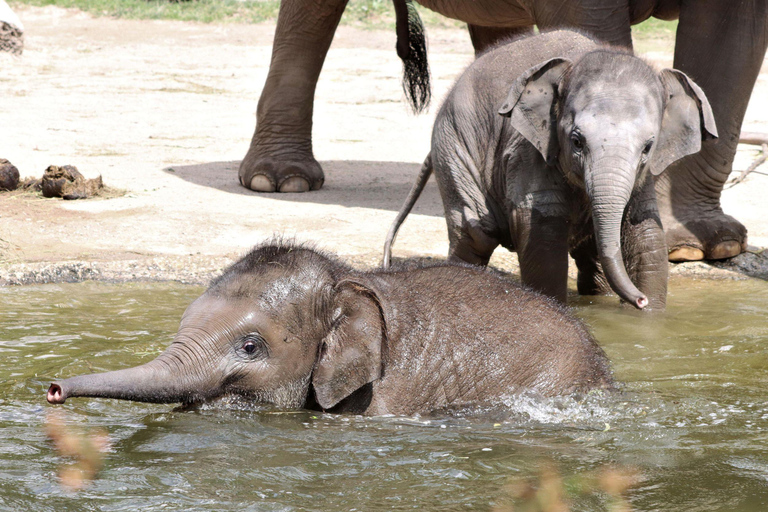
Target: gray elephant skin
column 549, row 144
column 289, row 326
column 719, row 44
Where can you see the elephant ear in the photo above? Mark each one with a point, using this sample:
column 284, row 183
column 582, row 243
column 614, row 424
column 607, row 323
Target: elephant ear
column 687, row 120
column 350, row 355
column 529, row 105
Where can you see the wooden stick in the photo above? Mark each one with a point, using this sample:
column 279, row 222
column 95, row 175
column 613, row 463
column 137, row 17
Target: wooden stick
column 754, row 165
column 758, row 139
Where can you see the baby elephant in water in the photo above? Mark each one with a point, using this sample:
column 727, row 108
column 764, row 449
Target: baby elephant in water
column 549, row 144
column 290, row 326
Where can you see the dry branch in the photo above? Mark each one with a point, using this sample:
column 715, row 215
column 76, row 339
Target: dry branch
column 758, row 139
column 752, row 138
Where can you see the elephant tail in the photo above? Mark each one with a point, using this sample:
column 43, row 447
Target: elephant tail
column 412, row 49
column 413, row 196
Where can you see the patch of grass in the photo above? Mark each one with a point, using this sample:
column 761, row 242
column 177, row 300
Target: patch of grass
column 655, row 28
column 654, row 35
column 367, row 13
column 205, row 11
column 373, row 14
column 108, row 193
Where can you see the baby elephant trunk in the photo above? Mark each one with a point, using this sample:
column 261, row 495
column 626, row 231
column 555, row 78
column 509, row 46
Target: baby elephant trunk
column 609, row 193
column 152, row 382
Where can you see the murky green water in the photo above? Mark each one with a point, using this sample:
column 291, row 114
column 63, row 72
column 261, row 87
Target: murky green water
column 693, row 418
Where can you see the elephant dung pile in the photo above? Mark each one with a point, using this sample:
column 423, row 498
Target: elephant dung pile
column 65, row 182
column 11, row 39
column 9, row 175
column 11, row 31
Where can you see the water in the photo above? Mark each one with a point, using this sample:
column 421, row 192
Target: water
column 692, row 420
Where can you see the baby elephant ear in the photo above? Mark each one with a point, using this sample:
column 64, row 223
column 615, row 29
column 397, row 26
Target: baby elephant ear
column 687, row 120
column 350, row 355
column 529, row 105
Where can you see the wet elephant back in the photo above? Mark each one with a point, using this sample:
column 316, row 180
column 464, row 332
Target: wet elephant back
column 459, row 335
column 496, row 70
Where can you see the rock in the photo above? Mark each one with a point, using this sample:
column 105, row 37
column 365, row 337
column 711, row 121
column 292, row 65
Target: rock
column 753, row 263
column 67, row 182
column 11, row 31
column 9, row 175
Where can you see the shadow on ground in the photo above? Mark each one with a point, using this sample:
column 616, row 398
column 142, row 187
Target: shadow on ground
column 350, row 183
column 385, row 185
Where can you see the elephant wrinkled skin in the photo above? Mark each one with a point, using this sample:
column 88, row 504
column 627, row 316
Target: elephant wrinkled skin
column 571, row 170
column 289, row 326
column 720, row 45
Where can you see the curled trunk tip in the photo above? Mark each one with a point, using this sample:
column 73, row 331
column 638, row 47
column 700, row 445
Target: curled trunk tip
column 617, row 277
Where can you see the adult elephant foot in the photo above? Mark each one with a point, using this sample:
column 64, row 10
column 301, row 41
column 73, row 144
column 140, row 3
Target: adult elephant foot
column 721, row 46
column 697, row 231
column 299, row 173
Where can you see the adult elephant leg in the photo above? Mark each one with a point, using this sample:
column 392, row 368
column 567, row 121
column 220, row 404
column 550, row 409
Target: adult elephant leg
column 280, row 156
column 644, row 247
column 721, row 46
column 487, row 37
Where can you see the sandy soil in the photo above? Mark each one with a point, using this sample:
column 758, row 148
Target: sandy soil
column 164, row 111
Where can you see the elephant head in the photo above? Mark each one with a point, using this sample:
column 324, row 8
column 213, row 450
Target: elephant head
column 605, row 121
column 275, row 324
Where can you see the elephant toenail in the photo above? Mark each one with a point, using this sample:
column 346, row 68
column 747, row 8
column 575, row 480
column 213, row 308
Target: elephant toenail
column 294, row 184
column 724, row 250
column 686, row 254
column 261, row 183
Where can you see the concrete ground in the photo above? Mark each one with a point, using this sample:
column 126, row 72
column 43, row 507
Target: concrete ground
column 165, row 110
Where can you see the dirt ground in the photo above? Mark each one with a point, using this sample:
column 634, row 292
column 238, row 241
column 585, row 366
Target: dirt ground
column 165, row 110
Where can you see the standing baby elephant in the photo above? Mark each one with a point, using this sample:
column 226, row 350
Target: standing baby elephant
column 289, row 326
column 567, row 166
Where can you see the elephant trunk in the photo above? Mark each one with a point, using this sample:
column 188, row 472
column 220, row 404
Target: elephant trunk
column 609, row 187
column 158, row 381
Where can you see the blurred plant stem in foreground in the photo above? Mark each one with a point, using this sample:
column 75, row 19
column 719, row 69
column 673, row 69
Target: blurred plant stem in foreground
column 549, row 491
column 86, row 448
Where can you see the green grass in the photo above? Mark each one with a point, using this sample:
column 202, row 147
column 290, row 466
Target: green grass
column 654, row 35
column 206, row 11
column 374, row 14
column 368, row 13
column 655, row 28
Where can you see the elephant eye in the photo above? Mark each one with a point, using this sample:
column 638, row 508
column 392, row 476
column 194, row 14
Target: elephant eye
column 647, row 148
column 577, row 142
column 253, row 346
